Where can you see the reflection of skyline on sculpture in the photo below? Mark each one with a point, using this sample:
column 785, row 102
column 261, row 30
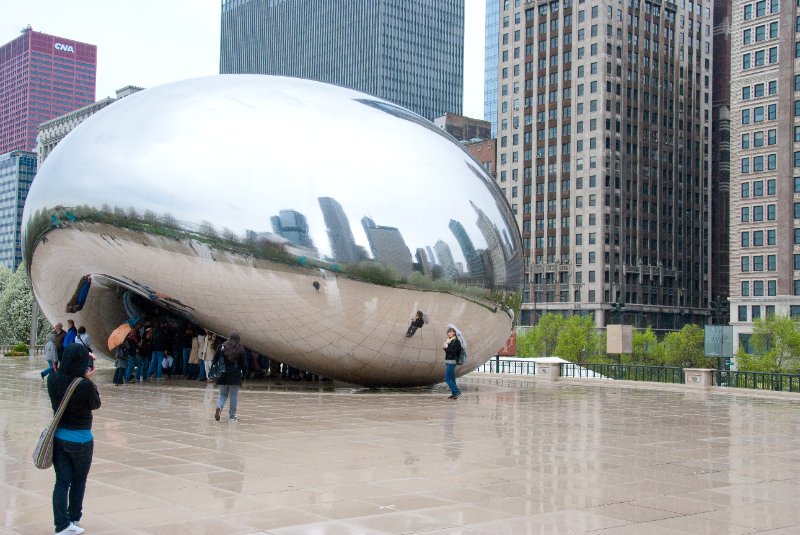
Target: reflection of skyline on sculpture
column 367, row 218
column 388, row 246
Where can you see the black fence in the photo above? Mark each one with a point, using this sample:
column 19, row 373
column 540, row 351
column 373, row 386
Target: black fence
column 510, row 366
column 781, row 382
column 627, row 372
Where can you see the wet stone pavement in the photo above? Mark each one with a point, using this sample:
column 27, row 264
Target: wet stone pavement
column 510, row 456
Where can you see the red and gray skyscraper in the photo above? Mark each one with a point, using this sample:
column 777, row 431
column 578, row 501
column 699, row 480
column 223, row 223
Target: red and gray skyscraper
column 41, row 77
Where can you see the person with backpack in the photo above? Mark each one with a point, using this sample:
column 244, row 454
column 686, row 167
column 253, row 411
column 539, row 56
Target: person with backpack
column 234, row 356
column 452, row 358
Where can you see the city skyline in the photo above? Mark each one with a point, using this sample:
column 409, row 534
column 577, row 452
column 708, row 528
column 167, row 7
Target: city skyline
column 182, row 42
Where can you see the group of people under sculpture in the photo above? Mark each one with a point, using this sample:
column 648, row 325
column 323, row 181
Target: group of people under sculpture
column 73, row 444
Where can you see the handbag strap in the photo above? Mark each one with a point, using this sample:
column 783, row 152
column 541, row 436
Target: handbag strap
column 63, row 405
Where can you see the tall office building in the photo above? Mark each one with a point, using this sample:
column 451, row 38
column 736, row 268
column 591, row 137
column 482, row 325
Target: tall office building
column 388, row 246
column 409, row 53
column 41, row 76
column 765, row 163
column 721, row 154
column 340, row 235
column 490, row 58
column 604, row 115
column 17, row 169
column 445, row 256
column 293, row 226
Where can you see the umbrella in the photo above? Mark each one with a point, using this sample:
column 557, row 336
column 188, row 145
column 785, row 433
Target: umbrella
column 118, row 335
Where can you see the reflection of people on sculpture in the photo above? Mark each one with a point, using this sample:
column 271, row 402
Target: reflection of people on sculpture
column 79, row 298
column 452, row 358
column 417, row 322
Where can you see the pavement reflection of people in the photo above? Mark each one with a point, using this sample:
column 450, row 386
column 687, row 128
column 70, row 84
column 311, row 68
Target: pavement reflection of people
column 453, row 446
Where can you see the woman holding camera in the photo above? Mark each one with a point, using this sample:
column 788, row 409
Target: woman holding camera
column 73, row 443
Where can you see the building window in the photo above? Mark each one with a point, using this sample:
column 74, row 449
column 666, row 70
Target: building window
column 745, row 288
column 745, row 239
column 772, row 288
column 756, row 312
column 742, row 313
column 758, row 288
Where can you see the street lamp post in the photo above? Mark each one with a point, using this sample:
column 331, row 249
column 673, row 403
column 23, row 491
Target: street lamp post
column 617, row 310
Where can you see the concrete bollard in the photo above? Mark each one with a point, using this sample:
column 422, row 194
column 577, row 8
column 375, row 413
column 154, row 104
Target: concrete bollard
column 699, row 377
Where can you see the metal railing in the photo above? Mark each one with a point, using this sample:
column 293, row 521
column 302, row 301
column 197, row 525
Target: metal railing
column 781, row 382
column 5, row 348
column 626, row 372
column 508, row 365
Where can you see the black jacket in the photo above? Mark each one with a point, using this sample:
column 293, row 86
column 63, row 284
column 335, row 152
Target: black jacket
column 85, row 399
column 453, row 350
column 234, row 371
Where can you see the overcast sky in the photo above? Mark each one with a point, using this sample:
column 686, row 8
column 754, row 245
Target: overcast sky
column 152, row 42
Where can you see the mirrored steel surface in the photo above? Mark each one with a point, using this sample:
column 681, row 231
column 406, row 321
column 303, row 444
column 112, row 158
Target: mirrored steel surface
column 313, row 219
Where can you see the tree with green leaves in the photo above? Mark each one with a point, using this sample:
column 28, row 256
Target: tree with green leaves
column 16, row 300
column 576, row 339
column 776, row 340
column 646, row 348
column 546, row 334
column 686, row 348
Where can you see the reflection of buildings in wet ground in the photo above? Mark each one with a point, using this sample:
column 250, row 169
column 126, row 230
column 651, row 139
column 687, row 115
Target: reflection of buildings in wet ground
column 527, row 455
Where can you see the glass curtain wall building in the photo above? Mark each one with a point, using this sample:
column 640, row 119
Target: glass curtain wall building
column 409, row 53
column 490, row 63
column 17, row 169
column 603, row 140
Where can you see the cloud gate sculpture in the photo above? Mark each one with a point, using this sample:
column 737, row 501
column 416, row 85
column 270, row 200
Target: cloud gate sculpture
column 313, row 219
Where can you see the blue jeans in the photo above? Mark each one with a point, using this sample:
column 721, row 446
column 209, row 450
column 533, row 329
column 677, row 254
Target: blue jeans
column 129, row 369
column 224, row 392
column 185, row 369
column 47, row 371
column 142, row 362
column 201, row 370
column 450, row 378
column 155, row 364
column 71, row 461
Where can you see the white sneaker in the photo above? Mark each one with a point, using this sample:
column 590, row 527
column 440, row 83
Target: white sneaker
column 72, row 529
column 233, row 419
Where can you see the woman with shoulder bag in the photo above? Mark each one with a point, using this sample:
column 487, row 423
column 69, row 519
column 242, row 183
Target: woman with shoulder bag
column 73, row 443
column 229, row 382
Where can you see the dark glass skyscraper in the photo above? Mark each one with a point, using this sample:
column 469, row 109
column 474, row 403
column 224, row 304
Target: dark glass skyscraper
column 17, row 169
column 409, row 53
